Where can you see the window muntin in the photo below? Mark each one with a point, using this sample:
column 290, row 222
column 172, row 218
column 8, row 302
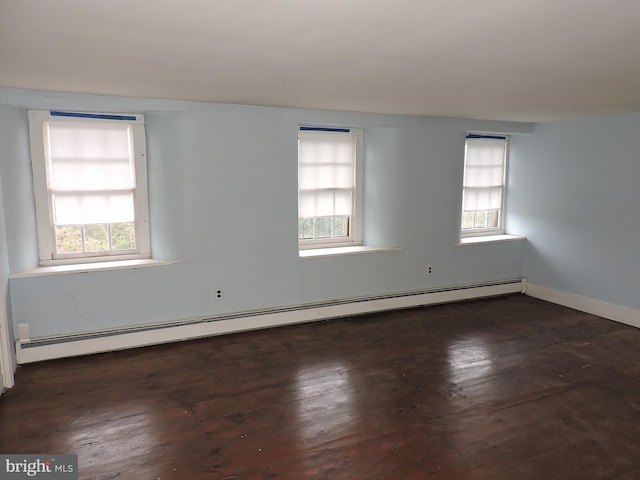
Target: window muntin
column 329, row 187
column 483, row 193
column 90, row 186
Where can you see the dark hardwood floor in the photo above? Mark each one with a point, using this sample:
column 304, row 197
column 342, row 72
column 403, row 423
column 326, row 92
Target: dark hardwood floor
column 507, row 388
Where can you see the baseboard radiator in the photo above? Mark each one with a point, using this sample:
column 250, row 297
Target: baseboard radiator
column 47, row 348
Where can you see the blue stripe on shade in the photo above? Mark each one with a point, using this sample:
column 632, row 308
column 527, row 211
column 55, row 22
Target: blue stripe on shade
column 496, row 137
column 325, row 129
column 102, row 116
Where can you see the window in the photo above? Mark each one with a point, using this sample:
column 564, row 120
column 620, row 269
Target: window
column 329, row 187
column 90, row 186
column 483, row 190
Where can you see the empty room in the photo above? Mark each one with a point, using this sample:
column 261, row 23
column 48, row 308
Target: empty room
column 361, row 240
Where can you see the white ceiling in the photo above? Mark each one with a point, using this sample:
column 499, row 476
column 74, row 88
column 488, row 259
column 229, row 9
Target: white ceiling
column 496, row 59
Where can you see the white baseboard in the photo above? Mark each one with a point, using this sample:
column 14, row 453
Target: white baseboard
column 610, row 311
column 39, row 349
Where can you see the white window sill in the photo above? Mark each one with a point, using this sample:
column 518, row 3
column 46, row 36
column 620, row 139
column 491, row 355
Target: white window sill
column 334, row 251
column 92, row 267
column 488, row 239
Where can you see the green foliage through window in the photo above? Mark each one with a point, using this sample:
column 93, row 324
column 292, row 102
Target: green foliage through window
column 480, row 219
column 100, row 237
column 323, row 227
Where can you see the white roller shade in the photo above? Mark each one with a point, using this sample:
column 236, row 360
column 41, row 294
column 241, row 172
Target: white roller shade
column 482, row 198
column 95, row 208
column 91, row 174
column 484, row 174
column 325, row 173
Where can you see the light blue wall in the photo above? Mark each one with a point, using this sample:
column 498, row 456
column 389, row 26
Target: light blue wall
column 575, row 195
column 223, row 198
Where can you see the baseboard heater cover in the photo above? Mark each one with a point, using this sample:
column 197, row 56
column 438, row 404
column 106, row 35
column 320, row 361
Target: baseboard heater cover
column 48, row 348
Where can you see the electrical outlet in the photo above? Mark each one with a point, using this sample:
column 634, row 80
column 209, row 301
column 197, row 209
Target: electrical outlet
column 429, row 269
column 219, row 293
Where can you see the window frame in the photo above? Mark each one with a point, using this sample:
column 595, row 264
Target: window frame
column 500, row 229
column 48, row 256
column 355, row 226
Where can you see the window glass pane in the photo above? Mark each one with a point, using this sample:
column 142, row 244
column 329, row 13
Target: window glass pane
column 492, row 219
column 305, row 228
column 324, row 227
column 341, row 226
column 96, row 238
column 467, row 220
column 122, row 236
column 480, row 219
column 69, row 238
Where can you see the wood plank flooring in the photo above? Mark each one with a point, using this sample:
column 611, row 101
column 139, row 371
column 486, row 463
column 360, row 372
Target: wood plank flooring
column 496, row 389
